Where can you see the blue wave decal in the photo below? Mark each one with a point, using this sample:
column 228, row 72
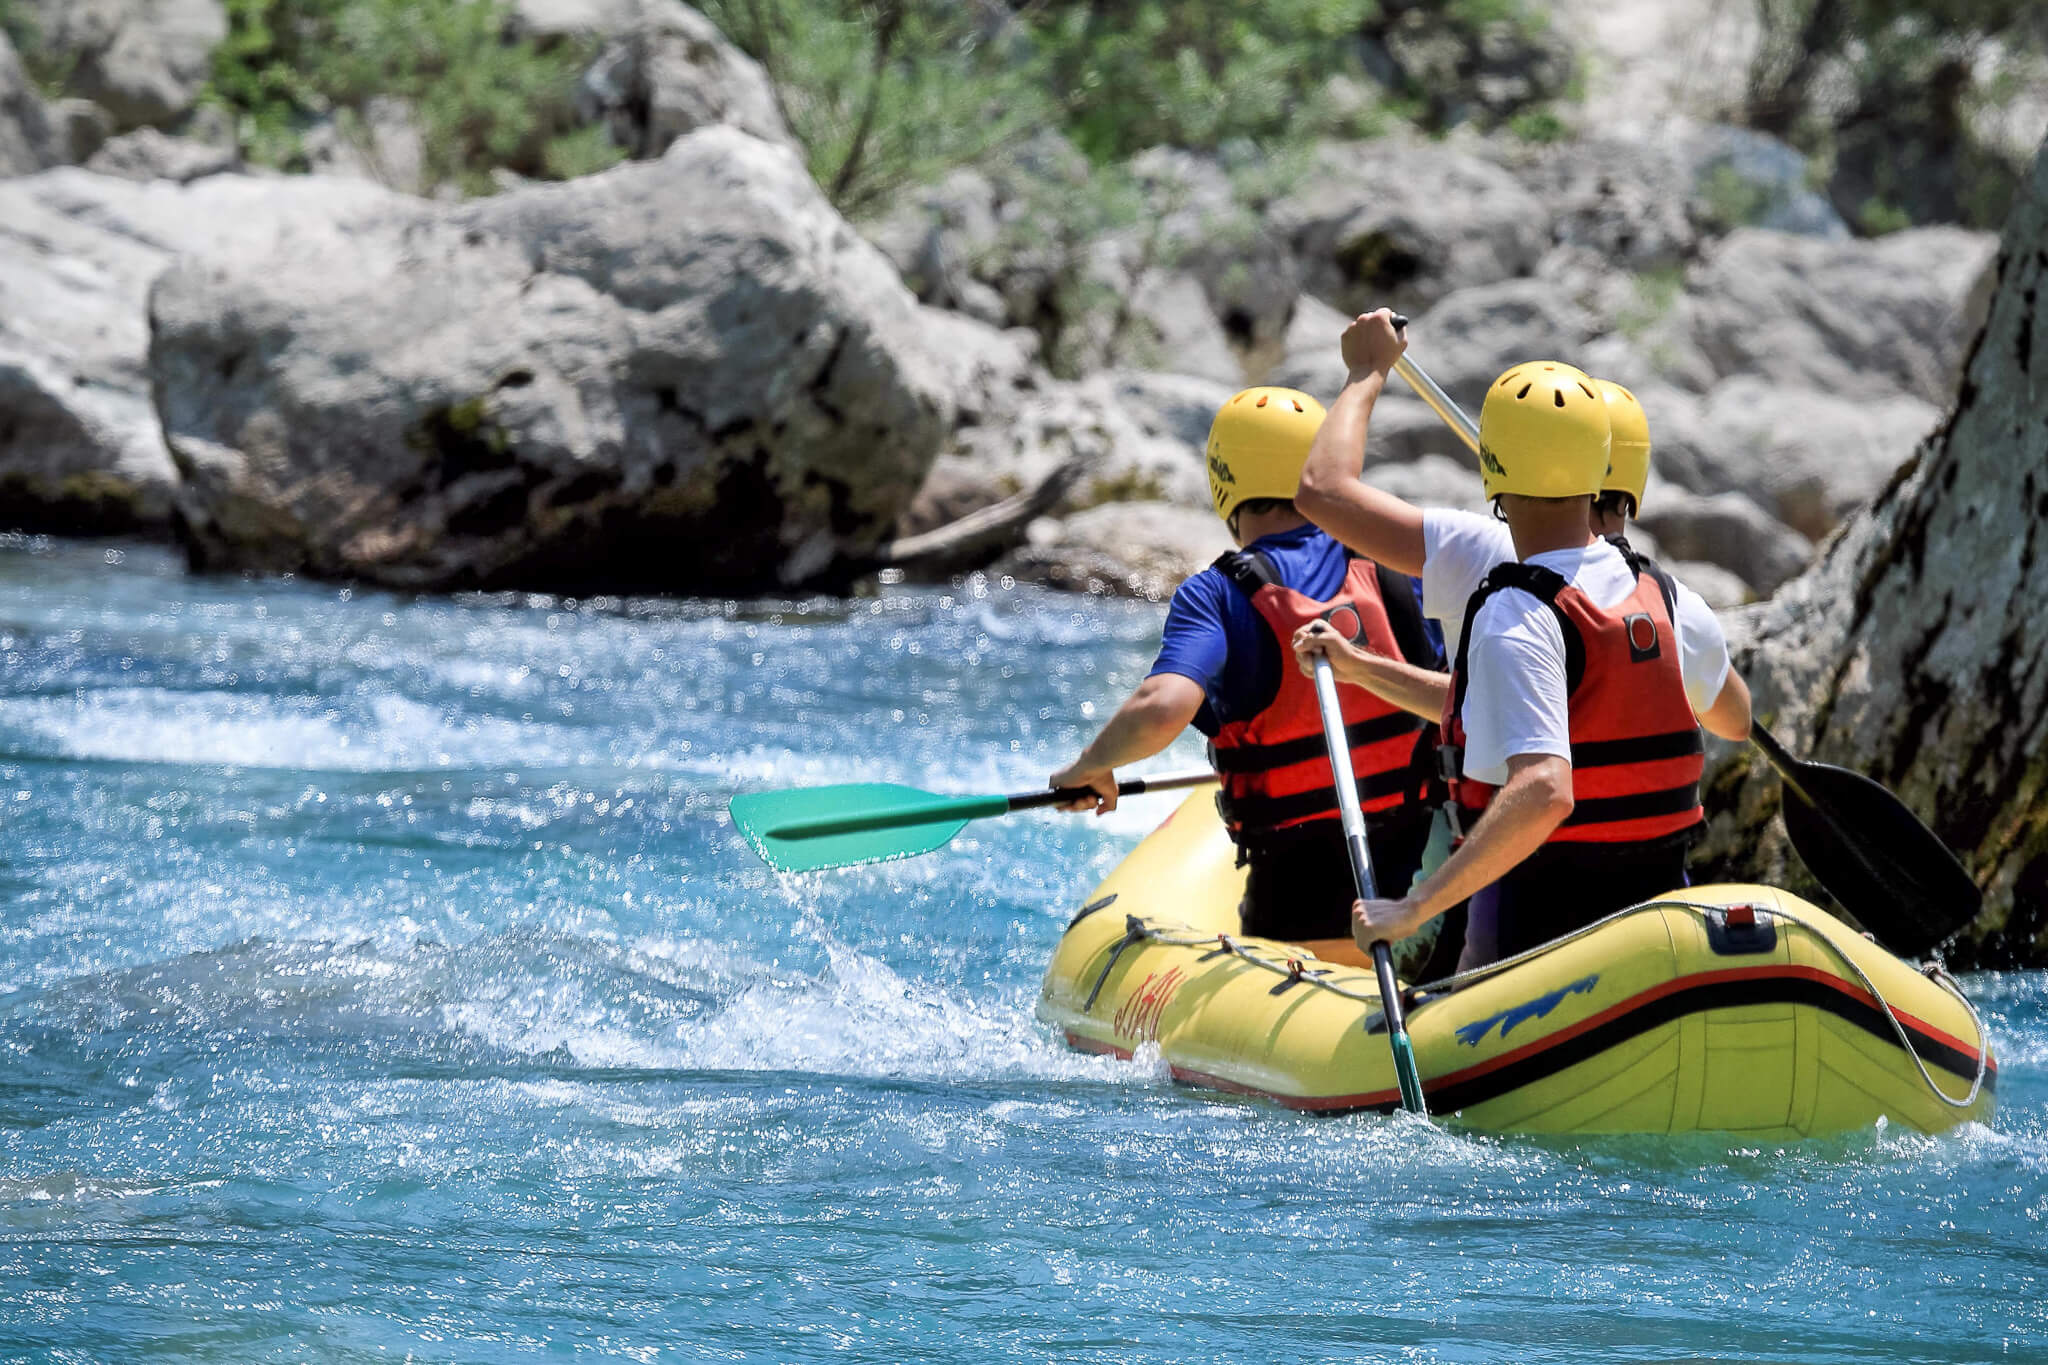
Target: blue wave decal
column 1471, row 1034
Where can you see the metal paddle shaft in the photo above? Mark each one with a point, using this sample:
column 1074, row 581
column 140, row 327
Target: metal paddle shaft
column 1405, row 1069
column 1432, row 393
column 808, row 828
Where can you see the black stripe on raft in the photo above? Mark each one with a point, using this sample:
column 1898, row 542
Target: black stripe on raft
column 1258, row 758
column 1766, row 990
column 1608, row 753
column 1604, row 810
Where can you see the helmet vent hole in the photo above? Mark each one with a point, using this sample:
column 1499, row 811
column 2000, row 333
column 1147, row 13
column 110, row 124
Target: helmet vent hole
column 1523, row 392
column 1508, row 379
column 1558, row 396
column 1297, row 405
column 1588, row 392
column 1262, row 401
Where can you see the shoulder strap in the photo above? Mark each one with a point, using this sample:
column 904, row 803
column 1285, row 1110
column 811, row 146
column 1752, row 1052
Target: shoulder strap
column 1247, row 570
column 1641, row 564
column 1404, row 614
column 1541, row 583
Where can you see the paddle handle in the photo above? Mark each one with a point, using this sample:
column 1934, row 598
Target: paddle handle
column 1405, row 1069
column 1780, row 758
column 1133, row 786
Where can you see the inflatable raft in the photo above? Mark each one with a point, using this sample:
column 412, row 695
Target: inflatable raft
column 1719, row 1008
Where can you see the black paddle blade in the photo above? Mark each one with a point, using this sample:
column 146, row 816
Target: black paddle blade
column 1876, row 858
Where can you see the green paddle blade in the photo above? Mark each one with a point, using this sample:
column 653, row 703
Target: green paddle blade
column 809, row 828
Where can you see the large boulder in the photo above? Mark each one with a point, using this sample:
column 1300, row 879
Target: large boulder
column 143, row 61
column 1404, row 223
column 1858, row 319
column 147, row 154
column 1471, row 336
column 80, row 449
column 1728, row 531
column 28, row 141
column 1916, row 649
column 1128, row 549
column 683, row 375
column 666, row 70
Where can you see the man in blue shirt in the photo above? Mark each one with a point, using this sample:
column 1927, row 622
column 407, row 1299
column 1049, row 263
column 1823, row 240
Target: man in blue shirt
column 1225, row 667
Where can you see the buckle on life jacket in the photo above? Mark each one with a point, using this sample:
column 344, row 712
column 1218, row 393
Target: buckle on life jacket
column 1450, row 762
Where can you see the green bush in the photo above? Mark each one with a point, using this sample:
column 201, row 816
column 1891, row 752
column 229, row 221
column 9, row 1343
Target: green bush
column 1884, row 93
column 889, row 94
column 483, row 99
column 1132, row 74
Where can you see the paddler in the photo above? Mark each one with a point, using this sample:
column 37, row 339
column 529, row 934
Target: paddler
column 1224, row 667
column 1548, row 863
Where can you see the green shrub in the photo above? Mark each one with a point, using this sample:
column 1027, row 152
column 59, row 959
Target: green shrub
column 1132, row 74
column 483, row 99
column 889, row 94
column 1883, row 92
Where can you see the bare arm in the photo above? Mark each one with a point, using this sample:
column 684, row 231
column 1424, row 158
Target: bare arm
column 1150, row 719
column 1524, row 813
column 1409, row 686
column 1728, row 717
column 1332, row 494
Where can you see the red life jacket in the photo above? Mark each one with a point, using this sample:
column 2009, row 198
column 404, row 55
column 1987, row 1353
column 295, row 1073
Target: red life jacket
column 1276, row 770
column 1637, row 756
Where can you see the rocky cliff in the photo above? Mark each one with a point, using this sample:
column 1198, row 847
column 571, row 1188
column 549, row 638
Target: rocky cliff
column 1916, row 649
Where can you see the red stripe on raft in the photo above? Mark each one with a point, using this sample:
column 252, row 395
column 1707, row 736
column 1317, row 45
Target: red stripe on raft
column 1377, row 1099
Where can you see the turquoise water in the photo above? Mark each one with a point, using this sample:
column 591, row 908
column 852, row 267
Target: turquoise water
column 380, row 979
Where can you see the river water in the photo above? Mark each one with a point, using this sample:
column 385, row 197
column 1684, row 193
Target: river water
column 380, row 979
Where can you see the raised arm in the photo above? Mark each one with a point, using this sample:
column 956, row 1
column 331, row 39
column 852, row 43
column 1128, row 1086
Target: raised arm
column 1332, row 494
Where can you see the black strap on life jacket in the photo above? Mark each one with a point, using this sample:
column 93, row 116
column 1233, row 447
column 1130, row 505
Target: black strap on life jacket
column 1250, row 570
column 1542, row 584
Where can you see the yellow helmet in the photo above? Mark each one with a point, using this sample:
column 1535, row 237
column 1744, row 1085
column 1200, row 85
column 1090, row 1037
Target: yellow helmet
column 1628, row 455
column 1543, row 432
column 1258, row 444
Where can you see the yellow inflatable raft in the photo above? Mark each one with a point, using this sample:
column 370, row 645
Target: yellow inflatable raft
column 1720, row 1008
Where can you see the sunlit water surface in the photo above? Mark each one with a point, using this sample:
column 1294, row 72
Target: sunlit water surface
column 381, row 979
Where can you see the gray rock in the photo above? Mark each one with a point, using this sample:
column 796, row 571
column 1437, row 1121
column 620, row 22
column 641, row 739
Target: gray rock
column 143, row 61
column 80, row 449
column 683, row 375
column 1807, row 458
column 1623, row 199
column 1246, row 268
column 1470, row 337
column 1721, row 589
column 1433, row 481
column 147, row 154
column 28, row 142
column 1311, row 359
column 1135, row 436
column 1135, row 549
column 381, row 143
column 1858, row 319
column 1728, row 531
column 1403, row 224
column 79, row 128
column 1916, row 650
column 1743, row 178
column 665, row 71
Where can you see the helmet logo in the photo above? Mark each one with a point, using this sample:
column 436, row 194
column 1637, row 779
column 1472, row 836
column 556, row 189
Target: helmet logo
column 1220, row 471
column 1344, row 619
column 1491, row 462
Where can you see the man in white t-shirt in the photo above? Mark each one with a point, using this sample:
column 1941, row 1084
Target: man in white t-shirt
column 1523, row 712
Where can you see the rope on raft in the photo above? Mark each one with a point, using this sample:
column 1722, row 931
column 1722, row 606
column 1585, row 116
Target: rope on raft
column 1137, row 930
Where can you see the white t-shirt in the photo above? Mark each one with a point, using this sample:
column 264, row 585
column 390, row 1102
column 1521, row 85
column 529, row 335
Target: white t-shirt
column 1460, row 548
column 1517, row 701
